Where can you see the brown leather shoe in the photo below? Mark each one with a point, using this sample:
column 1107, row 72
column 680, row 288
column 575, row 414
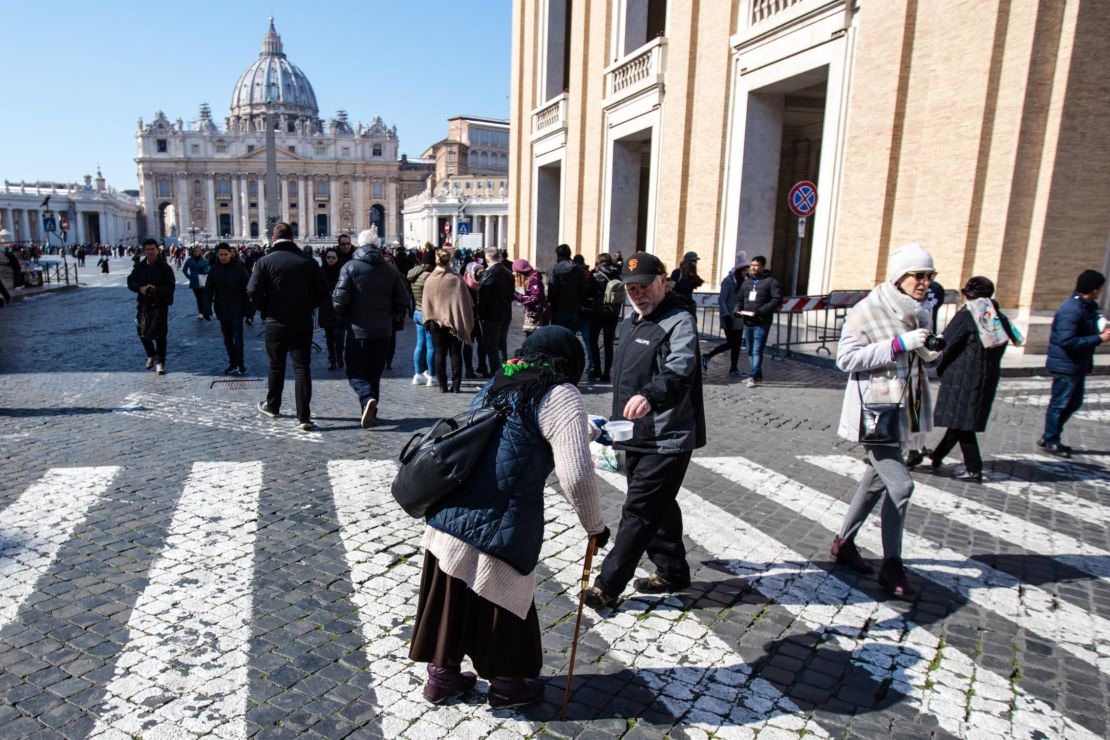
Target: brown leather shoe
column 657, row 584
column 848, row 555
column 893, row 579
column 597, row 599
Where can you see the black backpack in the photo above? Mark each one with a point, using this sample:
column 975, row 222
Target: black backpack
column 436, row 462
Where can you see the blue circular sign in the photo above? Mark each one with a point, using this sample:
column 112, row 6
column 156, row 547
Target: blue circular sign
column 802, row 198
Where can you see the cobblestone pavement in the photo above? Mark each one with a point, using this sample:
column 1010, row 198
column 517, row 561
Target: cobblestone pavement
column 174, row 565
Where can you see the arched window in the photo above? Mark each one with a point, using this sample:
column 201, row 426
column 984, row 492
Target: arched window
column 377, row 189
column 292, row 188
column 223, row 187
column 346, row 188
column 321, row 188
column 197, row 193
column 164, row 190
column 252, row 188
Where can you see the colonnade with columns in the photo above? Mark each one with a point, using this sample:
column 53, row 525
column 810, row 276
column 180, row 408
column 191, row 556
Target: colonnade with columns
column 300, row 207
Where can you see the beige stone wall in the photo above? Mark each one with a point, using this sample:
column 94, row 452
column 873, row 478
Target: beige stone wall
column 978, row 128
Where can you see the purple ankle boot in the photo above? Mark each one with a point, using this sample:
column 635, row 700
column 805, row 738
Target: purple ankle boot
column 447, row 682
column 505, row 693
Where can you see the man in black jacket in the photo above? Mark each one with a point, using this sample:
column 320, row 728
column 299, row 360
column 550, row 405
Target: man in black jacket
column 657, row 385
column 153, row 280
column 368, row 297
column 570, row 292
column 286, row 286
column 495, row 308
column 760, row 296
column 226, row 291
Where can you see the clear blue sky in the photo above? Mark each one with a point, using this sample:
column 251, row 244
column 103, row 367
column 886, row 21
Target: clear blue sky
column 79, row 75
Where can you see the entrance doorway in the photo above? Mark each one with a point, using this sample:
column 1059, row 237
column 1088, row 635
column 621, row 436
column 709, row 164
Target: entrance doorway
column 224, row 225
column 321, row 224
column 549, row 196
column 377, row 218
column 782, row 145
column 629, row 188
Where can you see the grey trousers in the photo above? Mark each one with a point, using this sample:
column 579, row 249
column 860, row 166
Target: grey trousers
column 888, row 478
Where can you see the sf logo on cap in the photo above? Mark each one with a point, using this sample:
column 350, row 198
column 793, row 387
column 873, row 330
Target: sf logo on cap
column 632, row 263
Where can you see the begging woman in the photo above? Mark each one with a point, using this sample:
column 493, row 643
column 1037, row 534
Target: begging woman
column 483, row 544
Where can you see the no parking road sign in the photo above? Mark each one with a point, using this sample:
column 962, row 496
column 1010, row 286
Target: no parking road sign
column 802, row 198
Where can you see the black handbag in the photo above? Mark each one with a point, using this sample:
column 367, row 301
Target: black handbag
column 436, row 462
column 880, row 423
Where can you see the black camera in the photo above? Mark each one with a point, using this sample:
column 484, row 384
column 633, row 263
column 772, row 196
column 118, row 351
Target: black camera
column 935, row 343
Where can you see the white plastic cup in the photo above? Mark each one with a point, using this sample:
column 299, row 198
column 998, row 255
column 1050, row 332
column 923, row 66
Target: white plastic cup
column 619, row 430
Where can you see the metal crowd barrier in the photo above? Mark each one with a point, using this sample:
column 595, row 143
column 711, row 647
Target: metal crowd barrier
column 806, row 324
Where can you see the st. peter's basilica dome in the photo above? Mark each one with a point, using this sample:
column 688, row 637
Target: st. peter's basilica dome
column 273, row 77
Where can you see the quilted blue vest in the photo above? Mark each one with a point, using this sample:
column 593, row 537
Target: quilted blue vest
column 499, row 510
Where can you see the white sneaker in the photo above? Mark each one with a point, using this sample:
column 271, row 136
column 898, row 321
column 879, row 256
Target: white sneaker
column 751, row 383
column 431, row 381
column 418, row 379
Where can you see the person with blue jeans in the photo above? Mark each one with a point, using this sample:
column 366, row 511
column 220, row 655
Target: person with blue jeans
column 760, row 296
column 423, row 356
column 1071, row 356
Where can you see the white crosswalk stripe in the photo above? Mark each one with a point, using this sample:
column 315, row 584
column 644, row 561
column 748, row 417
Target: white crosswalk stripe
column 1082, row 634
column 38, row 523
column 1051, row 497
column 1006, row 527
column 939, row 680
column 184, row 667
column 183, row 670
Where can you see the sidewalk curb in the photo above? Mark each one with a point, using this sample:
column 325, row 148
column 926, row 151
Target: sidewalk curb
column 16, row 297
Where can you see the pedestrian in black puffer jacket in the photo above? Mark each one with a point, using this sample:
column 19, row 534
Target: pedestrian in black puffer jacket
column 969, row 375
column 369, row 297
column 226, row 291
column 329, row 322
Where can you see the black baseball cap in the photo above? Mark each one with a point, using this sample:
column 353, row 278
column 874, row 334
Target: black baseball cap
column 642, row 268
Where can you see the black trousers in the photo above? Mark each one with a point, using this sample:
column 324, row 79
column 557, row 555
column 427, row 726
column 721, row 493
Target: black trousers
column 156, row 347
column 283, row 340
column 202, row 302
column 447, row 343
column 232, row 330
column 969, row 446
column 733, row 340
column 651, row 522
column 333, row 336
column 494, row 344
column 366, row 359
column 603, row 326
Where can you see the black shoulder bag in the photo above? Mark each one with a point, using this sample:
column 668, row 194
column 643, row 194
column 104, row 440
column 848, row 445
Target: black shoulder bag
column 880, row 423
column 436, row 462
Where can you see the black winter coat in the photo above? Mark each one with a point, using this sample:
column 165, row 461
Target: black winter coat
column 370, row 295
column 160, row 275
column 226, row 287
column 567, row 287
column 286, row 285
column 496, row 293
column 969, row 374
column 325, row 315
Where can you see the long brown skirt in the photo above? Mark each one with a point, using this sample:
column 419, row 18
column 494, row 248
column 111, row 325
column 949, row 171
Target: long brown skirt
column 452, row 622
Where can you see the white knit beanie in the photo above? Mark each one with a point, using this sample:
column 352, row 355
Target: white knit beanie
column 367, row 238
column 908, row 258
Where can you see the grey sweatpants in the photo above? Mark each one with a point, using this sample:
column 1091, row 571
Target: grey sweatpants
column 887, row 477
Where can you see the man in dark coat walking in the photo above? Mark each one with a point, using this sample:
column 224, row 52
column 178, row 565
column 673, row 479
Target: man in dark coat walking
column 226, row 290
column 286, row 286
column 496, row 292
column 368, row 297
column 153, row 280
column 759, row 299
column 1071, row 356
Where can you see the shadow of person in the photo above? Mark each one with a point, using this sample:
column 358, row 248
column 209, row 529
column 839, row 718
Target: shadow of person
column 63, row 411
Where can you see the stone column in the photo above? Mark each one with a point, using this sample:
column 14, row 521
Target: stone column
column 333, row 206
column 360, row 204
column 213, row 227
column 285, row 199
column 78, row 225
column 391, row 209
column 151, row 211
column 185, row 217
column 304, row 197
column 245, row 206
column 6, row 221
column 262, row 207
column 236, row 214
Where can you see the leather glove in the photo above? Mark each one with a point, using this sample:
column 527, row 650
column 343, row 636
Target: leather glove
column 602, row 538
column 912, row 340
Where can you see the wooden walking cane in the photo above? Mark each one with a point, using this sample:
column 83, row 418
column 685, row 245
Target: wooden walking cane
column 591, row 548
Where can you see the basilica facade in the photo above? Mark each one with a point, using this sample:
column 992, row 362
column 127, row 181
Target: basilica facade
column 201, row 181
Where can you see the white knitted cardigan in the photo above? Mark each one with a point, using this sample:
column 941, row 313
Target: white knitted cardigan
column 564, row 425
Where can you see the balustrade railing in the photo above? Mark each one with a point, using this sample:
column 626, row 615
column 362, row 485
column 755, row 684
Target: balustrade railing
column 641, row 70
column 551, row 116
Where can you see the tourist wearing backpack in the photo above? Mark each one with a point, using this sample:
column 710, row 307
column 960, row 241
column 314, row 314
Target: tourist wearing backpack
column 607, row 311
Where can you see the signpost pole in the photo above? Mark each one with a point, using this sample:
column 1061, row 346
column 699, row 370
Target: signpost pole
column 798, row 255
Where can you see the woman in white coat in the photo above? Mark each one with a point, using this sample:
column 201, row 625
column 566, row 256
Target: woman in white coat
column 883, row 348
